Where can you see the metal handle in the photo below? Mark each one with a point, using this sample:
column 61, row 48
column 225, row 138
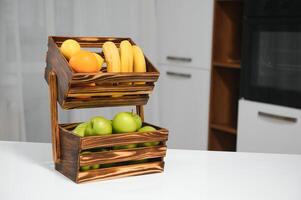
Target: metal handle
column 181, row 59
column 279, row 117
column 182, row 75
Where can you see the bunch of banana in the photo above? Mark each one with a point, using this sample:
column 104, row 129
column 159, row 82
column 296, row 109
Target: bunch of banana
column 128, row 59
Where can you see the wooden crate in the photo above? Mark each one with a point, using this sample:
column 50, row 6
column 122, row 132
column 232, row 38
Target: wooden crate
column 125, row 160
column 111, row 89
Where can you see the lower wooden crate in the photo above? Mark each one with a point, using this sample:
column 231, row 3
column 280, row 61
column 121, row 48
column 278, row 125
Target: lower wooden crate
column 125, row 162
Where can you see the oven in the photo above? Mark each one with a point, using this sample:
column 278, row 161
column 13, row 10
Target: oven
column 271, row 52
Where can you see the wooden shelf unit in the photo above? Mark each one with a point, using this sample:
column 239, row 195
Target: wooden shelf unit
column 225, row 75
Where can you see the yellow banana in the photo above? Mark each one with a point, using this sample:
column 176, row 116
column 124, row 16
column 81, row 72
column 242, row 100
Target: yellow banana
column 139, row 60
column 126, row 56
column 112, row 58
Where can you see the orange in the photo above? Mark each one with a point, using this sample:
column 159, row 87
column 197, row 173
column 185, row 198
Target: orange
column 84, row 61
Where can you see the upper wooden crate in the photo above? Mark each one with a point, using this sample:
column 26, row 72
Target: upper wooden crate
column 76, row 90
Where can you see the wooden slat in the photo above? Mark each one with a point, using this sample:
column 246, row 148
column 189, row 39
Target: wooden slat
column 90, row 41
column 72, row 103
column 121, row 171
column 102, row 94
column 80, row 78
column 123, row 139
column 108, row 88
column 115, row 156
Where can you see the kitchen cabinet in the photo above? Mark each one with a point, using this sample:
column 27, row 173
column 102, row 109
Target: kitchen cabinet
column 185, row 32
column 268, row 128
column 183, row 97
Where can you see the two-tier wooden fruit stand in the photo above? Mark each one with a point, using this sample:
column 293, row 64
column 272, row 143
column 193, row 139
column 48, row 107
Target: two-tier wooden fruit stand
column 87, row 90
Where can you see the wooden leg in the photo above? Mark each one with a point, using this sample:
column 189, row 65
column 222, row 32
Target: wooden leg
column 54, row 117
column 140, row 112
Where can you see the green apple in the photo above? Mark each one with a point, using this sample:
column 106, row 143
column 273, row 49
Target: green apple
column 129, row 146
column 89, row 129
column 80, row 129
column 84, row 168
column 98, row 126
column 137, row 119
column 148, row 129
column 96, row 166
column 124, row 122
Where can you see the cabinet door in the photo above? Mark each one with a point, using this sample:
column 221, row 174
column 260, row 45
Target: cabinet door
column 185, row 32
column 183, row 96
column 268, row 128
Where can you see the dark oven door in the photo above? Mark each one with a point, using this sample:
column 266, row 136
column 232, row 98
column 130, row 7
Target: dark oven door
column 271, row 61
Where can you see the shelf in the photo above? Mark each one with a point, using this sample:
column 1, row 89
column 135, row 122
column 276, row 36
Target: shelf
column 221, row 141
column 224, row 96
column 223, row 128
column 226, row 65
column 227, row 31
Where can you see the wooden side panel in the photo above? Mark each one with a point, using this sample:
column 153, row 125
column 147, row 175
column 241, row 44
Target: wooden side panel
column 121, row 171
column 123, row 139
column 69, row 160
column 115, row 156
column 58, row 63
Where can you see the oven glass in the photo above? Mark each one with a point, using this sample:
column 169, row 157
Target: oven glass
column 276, row 60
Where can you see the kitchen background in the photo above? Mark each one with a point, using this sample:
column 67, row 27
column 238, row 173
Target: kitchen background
column 161, row 28
column 230, row 69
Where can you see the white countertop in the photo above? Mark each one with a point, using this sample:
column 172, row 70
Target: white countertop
column 27, row 173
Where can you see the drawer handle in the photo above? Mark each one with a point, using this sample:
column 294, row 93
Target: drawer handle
column 279, row 117
column 182, row 75
column 181, row 59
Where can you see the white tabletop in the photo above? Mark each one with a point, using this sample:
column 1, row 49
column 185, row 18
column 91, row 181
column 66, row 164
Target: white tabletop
column 27, row 173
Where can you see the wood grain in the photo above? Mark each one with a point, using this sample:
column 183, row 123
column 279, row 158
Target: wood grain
column 72, row 103
column 115, row 156
column 140, row 112
column 109, row 88
column 56, row 62
column 123, row 139
column 69, row 160
column 54, row 117
column 120, row 171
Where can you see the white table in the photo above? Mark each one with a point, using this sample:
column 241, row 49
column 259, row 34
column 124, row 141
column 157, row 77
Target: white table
column 27, row 173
